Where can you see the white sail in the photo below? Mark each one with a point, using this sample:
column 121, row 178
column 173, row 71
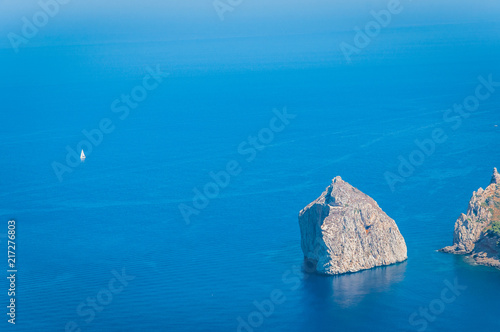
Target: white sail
column 82, row 156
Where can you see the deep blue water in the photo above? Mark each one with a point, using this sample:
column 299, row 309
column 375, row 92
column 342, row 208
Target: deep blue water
column 120, row 208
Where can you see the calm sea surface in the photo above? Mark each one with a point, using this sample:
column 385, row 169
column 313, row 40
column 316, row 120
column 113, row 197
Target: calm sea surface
column 118, row 212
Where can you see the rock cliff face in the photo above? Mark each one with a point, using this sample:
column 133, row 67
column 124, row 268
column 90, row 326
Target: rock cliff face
column 344, row 230
column 477, row 233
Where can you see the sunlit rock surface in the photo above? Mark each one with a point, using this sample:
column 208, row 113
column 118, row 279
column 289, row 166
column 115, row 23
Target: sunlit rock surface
column 344, row 230
column 477, row 233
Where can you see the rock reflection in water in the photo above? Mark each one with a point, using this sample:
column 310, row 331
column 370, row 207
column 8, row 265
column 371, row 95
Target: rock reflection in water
column 349, row 289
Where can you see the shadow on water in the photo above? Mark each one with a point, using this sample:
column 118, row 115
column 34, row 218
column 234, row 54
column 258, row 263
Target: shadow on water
column 342, row 302
column 349, row 289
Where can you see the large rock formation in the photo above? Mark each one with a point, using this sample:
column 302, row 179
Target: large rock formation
column 344, row 230
column 477, row 233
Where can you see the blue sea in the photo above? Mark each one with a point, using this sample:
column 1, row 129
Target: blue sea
column 106, row 246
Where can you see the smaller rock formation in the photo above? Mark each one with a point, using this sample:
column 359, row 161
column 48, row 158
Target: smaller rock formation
column 496, row 177
column 477, row 233
column 344, row 230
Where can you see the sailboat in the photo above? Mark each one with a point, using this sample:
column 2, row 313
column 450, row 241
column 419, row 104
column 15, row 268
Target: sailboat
column 82, row 156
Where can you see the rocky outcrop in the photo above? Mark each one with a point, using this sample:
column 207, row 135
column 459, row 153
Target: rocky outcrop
column 496, row 177
column 477, row 233
column 344, row 230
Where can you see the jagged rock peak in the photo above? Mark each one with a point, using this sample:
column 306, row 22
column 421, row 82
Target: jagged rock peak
column 344, row 230
column 477, row 233
column 496, row 177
